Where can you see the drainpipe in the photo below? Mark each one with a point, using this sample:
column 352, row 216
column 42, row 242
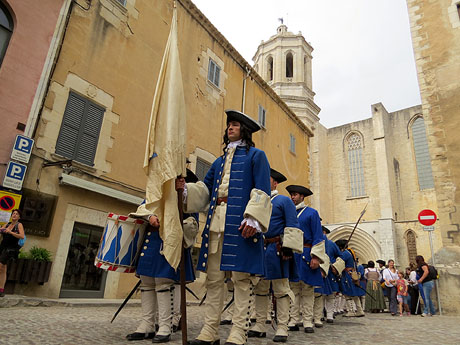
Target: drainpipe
column 248, row 71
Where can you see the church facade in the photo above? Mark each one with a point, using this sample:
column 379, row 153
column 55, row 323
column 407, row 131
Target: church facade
column 381, row 163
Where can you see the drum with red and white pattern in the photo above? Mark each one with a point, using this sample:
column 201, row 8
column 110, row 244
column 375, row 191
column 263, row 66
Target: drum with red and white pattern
column 120, row 244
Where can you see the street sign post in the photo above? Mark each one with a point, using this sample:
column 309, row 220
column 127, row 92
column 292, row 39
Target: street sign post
column 428, row 218
column 14, row 175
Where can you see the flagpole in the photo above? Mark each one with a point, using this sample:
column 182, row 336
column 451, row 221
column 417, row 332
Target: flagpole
column 183, row 301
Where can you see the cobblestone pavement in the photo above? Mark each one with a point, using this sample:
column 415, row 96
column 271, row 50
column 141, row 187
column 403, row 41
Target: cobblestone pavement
column 91, row 325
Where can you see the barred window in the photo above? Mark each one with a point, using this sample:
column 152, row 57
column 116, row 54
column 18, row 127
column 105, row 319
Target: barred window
column 422, row 155
column 262, row 113
column 292, row 143
column 355, row 164
column 202, row 168
column 213, row 72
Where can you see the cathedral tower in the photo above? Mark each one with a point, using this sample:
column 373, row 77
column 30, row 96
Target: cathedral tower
column 285, row 63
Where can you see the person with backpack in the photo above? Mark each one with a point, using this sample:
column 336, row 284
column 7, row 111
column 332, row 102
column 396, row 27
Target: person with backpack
column 427, row 283
column 12, row 233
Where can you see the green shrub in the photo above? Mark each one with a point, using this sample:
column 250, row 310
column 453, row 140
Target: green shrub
column 39, row 254
column 24, row 255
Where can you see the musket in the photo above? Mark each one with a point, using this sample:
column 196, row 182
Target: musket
column 126, row 300
column 191, row 292
column 359, row 219
column 229, row 303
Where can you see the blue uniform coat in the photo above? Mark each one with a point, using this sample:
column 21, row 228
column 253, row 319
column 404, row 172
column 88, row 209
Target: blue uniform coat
column 153, row 263
column 347, row 286
column 330, row 282
column 249, row 170
column 283, row 215
column 310, row 224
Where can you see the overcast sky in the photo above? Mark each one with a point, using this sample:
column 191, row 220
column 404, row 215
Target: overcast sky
column 362, row 48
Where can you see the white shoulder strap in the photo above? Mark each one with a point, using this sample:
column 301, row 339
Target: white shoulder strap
column 301, row 211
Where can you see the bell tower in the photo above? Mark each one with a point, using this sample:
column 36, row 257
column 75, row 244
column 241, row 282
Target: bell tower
column 285, row 63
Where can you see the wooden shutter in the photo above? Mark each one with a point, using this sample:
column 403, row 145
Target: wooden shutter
column 80, row 130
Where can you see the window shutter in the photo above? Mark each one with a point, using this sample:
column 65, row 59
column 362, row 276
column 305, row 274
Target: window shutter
column 90, row 135
column 70, row 127
column 80, row 128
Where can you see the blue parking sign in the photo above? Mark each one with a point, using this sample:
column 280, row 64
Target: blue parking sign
column 14, row 176
column 22, row 148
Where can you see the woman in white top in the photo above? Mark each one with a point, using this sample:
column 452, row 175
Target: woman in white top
column 390, row 276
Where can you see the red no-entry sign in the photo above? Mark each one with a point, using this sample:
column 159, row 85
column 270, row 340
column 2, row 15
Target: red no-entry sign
column 427, row 217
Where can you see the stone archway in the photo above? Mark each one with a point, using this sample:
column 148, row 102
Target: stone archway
column 364, row 245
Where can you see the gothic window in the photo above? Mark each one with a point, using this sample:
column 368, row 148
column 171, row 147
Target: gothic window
column 422, row 155
column 270, row 68
column 411, row 245
column 6, row 29
column 289, row 65
column 355, row 165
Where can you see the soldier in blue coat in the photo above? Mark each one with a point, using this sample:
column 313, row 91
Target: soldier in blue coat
column 347, row 285
column 325, row 295
column 279, row 264
column 308, row 262
column 236, row 189
column 159, row 279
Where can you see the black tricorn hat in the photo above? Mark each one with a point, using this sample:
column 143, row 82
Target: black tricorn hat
column 191, row 177
column 380, row 262
column 326, row 230
column 293, row 188
column 235, row 115
column 277, row 176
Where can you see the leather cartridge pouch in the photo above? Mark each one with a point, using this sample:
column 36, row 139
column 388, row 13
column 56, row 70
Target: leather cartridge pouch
column 293, row 238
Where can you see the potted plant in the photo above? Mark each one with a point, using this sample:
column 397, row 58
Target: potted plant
column 31, row 266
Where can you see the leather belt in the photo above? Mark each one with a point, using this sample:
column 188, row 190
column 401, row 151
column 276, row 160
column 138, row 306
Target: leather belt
column 307, row 245
column 276, row 239
column 222, row 200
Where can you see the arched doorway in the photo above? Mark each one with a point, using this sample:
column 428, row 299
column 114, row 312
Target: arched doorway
column 364, row 245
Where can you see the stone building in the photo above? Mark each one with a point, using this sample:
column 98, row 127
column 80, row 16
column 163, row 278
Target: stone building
column 381, row 162
column 435, row 28
column 91, row 132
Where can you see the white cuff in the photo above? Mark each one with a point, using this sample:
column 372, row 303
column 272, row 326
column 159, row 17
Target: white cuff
column 252, row 222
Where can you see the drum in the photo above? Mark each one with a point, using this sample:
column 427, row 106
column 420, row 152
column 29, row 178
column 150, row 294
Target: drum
column 120, row 244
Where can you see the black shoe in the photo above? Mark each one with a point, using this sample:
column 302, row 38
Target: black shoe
column 330, row 321
column 253, row 320
column 318, row 325
column 309, row 330
column 161, row 338
column 226, row 322
column 176, row 328
column 229, row 343
column 280, row 338
column 203, row 342
column 268, row 322
column 256, row 334
column 294, row 328
column 140, row 336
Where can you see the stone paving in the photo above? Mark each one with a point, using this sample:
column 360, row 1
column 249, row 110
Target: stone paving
column 91, row 325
